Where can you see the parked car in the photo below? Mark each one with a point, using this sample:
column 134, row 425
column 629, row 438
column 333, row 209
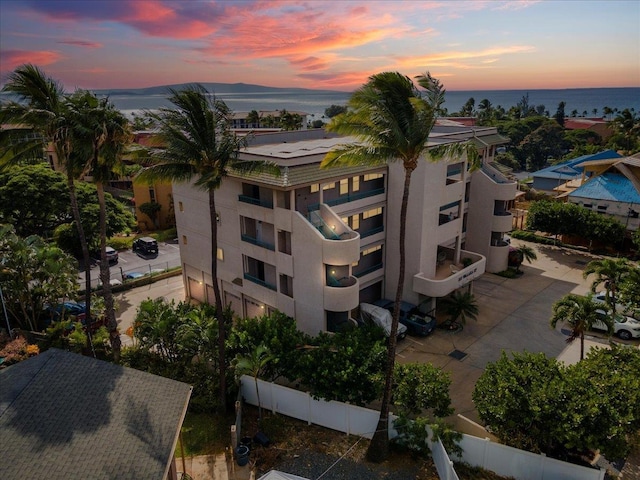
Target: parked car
column 373, row 314
column 416, row 322
column 65, row 309
column 112, row 256
column 624, row 327
column 145, row 246
column 601, row 297
column 114, row 282
column 133, row 275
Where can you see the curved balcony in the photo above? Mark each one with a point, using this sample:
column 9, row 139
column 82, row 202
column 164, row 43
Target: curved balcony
column 340, row 244
column 502, row 222
column 455, row 276
column 342, row 294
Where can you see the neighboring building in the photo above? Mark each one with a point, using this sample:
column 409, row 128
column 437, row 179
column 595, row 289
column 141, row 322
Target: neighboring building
column 597, row 125
column 159, row 192
column 550, row 178
column 64, row 415
column 315, row 243
column 611, row 187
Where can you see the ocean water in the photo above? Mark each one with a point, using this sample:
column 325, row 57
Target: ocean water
column 314, row 103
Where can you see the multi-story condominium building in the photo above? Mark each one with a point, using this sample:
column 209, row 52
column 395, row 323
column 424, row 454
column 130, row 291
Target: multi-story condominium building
column 314, row 243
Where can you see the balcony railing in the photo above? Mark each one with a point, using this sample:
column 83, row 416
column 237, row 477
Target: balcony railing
column 341, row 282
column 257, row 280
column 352, row 197
column 367, row 271
column 372, row 231
column 259, row 243
column 317, row 221
column 255, row 201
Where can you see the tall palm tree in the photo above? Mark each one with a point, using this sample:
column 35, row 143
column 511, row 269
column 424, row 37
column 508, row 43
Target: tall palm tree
column 253, row 118
column 45, row 109
column 199, row 145
column 611, row 273
column 580, row 313
column 391, row 121
column 100, row 134
column 254, row 364
column 461, row 305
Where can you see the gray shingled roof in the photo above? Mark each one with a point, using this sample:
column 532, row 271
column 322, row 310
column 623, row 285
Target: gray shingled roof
column 65, row 416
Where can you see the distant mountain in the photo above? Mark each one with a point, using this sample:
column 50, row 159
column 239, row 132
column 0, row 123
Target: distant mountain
column 217, row 88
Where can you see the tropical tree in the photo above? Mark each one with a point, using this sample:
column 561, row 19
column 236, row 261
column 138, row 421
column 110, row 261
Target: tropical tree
column 629, row 289
column 525, row 252
column 253, row 118
column 391, row 121
column 199, row 145
column 151, row 210
column 100, row 134
column 44, row 107
column 627, row 124
column 33, row 274
column 580, row 313
column 485, row 111
column 560, row 114
column 461, row 305
column 611, row 273
column 253, row 364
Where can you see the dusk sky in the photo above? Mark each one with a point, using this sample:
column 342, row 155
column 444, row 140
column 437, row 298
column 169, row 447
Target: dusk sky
column 331, row 44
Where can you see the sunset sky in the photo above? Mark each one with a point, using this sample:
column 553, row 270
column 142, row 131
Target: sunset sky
column 331, row 44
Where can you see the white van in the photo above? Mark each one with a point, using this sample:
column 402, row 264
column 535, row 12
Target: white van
column 381, row 317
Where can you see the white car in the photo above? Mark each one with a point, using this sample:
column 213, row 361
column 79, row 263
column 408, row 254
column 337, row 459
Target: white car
column 601, row 297
column 381, row 317
column 624, row 327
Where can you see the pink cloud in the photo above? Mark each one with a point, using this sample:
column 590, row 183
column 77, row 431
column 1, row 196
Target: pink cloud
column 11, row 59
column 81, row 43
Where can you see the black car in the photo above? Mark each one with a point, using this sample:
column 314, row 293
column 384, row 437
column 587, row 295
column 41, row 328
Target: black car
column 145, row 246
column 112, row 256
column 417, row 323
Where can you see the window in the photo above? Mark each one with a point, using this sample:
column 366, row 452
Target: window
column 372, row 213
column 152, row 194
column 184, row 239
column 355, row 181
column 180, row 206
column 344, row 186
column 371, row 250
column 328, row 186
column 372, row 176
column 315, row 188
column 355, row 222
column 286, row 285
column 220, row 254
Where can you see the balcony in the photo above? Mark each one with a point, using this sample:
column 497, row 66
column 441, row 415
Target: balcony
column 256, row 201
column 352, row 197
column 340, row 244
column 449, row 276
column 341, row 294
column 259, row 243
column 502, row 221
column 260, row 282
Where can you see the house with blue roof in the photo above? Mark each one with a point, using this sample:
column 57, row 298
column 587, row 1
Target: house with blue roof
column 554, row 176
column 612, row 187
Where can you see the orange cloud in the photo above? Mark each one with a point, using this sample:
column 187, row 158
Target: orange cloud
column 158, row 20
column 447, row 58
column 11, row 59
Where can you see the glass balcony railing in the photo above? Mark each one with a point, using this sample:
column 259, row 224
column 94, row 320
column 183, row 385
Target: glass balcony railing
column 367, row 271
column 259, row 243
column 255, row 201
column 352, row 197
column 371, row 231
column 257, row 280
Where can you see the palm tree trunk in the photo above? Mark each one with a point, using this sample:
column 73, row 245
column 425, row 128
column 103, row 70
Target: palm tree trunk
column 259, row 403
column 75, row 210
column 581, row 345
column 378, row 449
column 105, row 277
column 216, row 292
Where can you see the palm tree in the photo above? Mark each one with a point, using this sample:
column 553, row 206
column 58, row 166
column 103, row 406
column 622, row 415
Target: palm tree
column 391, row 121
column 611, row 273
column 461, row 305
column 100, row 133
column 525, row 252
column 199, row 145
column 253, row 118
column 46, row 110
column 580, row 313
column 254, row 364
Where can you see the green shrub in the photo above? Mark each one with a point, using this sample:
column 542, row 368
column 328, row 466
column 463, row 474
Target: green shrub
column 508, row 273
column 120, row 243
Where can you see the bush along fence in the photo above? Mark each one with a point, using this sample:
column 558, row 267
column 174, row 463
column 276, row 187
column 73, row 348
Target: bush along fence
column 354, row 420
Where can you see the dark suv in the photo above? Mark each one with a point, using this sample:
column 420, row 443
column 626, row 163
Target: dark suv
column 145, row 246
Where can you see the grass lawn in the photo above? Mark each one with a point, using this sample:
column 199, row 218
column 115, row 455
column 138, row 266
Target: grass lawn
column 205, row 434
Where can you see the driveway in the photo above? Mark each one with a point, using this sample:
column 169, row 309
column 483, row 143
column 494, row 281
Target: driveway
column 514, row 317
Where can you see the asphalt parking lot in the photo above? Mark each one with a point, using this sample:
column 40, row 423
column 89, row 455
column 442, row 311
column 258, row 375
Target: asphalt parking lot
column 514, row 317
